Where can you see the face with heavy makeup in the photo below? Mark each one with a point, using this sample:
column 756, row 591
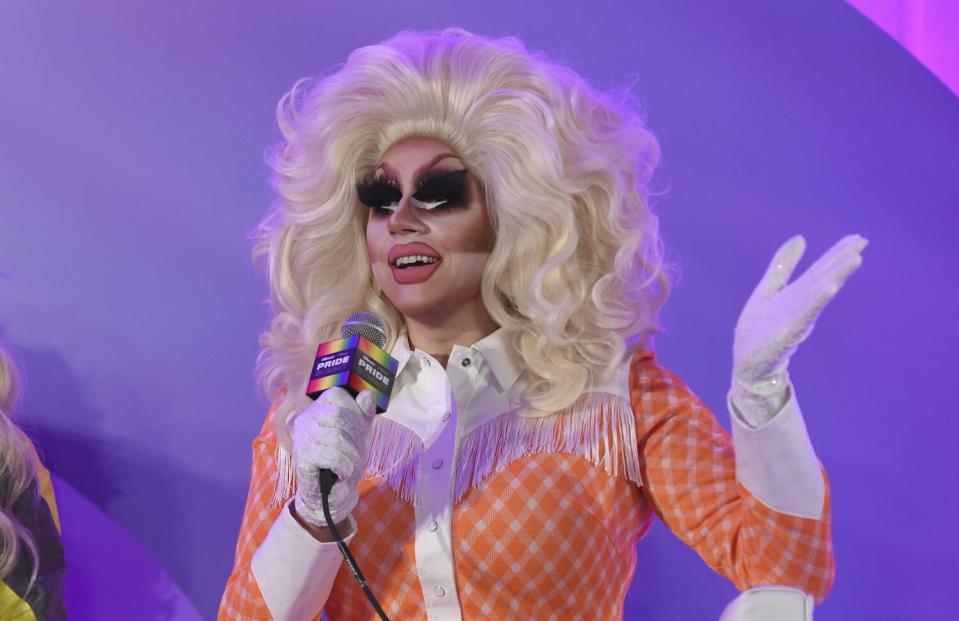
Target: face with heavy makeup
column 428, row 232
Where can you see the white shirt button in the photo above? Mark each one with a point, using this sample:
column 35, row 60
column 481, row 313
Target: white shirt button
column 466, row 362
column 446, row 416
column 439, row 591
column 437, row 464
column 432, row 526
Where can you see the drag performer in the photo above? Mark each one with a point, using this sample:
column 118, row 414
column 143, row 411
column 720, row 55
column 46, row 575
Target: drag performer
column 31, row 555
column 492, row 208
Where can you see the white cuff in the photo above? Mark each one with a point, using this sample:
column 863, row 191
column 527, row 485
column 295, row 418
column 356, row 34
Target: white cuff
column 777, row 464
column 770, row 603
column 294, row 571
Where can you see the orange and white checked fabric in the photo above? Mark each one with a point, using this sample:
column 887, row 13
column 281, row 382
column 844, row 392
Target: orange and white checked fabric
column 553, row 536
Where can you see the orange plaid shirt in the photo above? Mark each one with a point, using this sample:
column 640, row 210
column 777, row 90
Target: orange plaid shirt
column 548, row 529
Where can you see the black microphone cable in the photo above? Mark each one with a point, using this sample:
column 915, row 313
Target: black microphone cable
column 327, row 479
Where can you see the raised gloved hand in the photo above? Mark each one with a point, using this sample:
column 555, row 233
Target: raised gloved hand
column 778, row 317
column 334, row 432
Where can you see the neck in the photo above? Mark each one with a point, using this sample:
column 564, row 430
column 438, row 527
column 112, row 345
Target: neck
column 436, row 335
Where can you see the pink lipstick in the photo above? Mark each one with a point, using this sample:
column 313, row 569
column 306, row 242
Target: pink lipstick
column 413, row 263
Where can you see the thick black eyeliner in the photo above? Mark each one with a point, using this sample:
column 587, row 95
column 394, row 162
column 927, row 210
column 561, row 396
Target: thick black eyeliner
column 378, row 193
column 448, row 187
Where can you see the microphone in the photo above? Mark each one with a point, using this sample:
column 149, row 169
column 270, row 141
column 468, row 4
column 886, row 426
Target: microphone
column 356, row 361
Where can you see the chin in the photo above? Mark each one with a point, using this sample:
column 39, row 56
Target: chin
column 415, row 304
column 418, row 312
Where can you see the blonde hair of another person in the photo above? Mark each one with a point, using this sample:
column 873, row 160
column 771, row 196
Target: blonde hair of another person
column 18, row 471
column 577, row 274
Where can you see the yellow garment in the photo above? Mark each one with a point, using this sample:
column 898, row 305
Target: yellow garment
column 12, row 608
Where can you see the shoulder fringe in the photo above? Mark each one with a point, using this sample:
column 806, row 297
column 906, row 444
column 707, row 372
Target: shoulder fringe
column 286, row 477
column 599, row 427
column 394, row 456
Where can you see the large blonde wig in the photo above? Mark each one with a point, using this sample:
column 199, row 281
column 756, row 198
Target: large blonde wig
column 18, row 471
column 576, row 277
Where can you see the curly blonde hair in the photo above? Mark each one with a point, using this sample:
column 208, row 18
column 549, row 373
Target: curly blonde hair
column 577, row 274
column 18, row 471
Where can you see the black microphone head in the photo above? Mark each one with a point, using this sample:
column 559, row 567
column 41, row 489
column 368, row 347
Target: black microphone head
column 365, row 324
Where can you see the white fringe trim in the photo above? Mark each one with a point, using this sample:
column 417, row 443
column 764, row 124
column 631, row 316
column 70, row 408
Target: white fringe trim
column 286, row 476
column 395, row 457
column 599, row 427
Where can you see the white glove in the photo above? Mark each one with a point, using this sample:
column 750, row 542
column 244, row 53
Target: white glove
column 778, row 317
column 770, row 603
column 334, row 432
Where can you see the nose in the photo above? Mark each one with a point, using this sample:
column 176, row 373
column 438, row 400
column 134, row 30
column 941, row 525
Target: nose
column 405, row 220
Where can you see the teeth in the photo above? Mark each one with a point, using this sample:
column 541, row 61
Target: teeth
column 415, row 258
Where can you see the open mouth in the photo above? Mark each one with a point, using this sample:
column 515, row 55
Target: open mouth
column 414, row 269
column 414, row 260
column 413, row 263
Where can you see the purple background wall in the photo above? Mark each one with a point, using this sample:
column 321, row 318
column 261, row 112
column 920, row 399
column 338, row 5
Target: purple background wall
column 131, row 171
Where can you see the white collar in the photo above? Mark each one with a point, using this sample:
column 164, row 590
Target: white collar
column 503, row 362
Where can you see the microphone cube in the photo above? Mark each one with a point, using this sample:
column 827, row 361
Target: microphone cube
column 356, row 364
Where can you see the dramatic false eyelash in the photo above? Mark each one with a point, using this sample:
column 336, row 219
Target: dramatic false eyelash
column 379, row 194
column 441, row 189
column 436, row 190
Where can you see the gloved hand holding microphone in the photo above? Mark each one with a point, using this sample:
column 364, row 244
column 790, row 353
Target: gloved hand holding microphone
column 351, row 381
column 333, row 433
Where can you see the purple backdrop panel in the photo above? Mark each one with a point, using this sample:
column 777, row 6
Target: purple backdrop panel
column 102, row 558
column 927, row 28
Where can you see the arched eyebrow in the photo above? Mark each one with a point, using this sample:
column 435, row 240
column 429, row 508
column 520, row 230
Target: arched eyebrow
column 386, row 168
